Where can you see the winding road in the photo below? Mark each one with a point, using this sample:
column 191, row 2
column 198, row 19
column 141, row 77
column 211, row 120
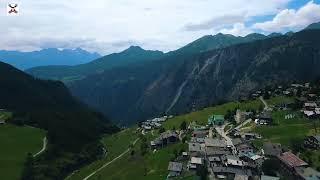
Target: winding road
column 110, row 162
column 44, row 147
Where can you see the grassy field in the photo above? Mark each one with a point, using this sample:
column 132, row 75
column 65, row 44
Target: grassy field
column 286, row 129
column 16, row 143
column 136, row 167
column 116, row 144
column 201, row 117
column 153, row 165
column 279, row 100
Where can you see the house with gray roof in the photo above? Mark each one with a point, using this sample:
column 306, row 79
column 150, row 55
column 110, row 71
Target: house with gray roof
column 230, row 171
column 272, row 149
column 196, row 149
column 307, row 173
column 244, row 148
column 237, row 141
column 216, row 152
column 215, row 142
column 168, row 137
column 175, row 169
column 200, row 133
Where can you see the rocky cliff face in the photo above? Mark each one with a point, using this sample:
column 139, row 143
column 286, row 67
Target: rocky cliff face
column 179, row 83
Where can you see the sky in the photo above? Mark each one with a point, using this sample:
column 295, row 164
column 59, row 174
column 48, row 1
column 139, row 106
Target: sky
column 107, row 26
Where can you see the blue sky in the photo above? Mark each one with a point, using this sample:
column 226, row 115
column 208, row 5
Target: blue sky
column 296, row 4
column 107, row 26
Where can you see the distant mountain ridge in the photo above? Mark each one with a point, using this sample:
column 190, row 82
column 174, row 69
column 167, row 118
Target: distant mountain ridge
column 135, row 54
column 44, row 57
column 132, row 55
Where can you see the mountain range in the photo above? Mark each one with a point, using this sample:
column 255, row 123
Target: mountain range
column 44, row 57
column 135, row 55
column 132, row 55
column 205, row 72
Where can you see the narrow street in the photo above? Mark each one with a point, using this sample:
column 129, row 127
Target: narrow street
column 220, row 130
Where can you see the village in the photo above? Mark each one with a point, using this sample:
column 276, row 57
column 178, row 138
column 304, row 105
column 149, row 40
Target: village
column 224, row 147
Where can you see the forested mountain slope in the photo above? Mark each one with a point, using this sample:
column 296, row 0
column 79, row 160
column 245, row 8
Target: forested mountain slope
column 180, row 82
column 72, row 128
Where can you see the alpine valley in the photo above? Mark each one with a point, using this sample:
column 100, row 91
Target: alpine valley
column 137, row 84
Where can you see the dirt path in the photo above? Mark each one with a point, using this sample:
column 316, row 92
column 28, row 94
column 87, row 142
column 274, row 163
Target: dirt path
column 243, row 124
column 44, row 147
column 110, row 162
column 264, row 102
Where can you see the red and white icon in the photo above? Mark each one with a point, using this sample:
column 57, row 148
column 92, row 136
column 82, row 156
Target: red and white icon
column 13, row 9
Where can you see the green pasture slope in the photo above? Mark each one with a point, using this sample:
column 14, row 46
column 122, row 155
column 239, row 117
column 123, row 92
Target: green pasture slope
column 116, row 144
column 16, row 143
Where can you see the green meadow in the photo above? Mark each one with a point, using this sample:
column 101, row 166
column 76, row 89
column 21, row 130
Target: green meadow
column 16, row 143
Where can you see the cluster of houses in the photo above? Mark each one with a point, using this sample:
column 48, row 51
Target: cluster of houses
column 291, row 166
column 222, row 159
column 232, row 155
column 292, row 90
column 154, row 123
column 304, row 93
column 241, row 160
column 307, row 97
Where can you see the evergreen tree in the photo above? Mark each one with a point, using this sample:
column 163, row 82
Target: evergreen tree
column 28, row 171
column 183, row 125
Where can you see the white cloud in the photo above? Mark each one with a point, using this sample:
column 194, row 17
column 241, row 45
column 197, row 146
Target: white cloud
column 292, row 19
column 112, row 25
column 217, row 22
column 238, row 29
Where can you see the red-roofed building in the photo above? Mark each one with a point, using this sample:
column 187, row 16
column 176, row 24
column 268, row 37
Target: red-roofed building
column 289, row 163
